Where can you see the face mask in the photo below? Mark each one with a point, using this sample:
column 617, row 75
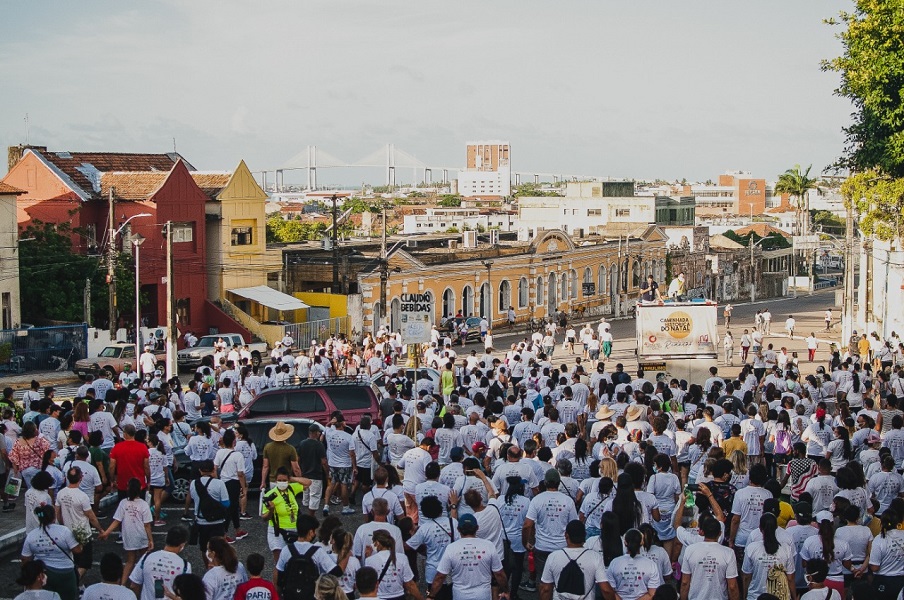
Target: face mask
column 282, row 485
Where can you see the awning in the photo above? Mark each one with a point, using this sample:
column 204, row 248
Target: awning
column 270, row 297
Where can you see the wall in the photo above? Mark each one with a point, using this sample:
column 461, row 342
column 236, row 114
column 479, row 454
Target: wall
column 574, row 212
column 337, row 303
column 223, row 322
column 9, row 259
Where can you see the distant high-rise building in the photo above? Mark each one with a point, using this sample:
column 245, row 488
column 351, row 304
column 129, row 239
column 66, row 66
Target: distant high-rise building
column 488, row 170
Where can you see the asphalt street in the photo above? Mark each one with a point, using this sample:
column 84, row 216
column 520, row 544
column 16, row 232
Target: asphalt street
column 807, row 310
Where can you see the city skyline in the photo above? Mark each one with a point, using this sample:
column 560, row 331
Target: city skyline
column 603, row 89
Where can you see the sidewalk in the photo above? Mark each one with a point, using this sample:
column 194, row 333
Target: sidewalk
column 22, row 381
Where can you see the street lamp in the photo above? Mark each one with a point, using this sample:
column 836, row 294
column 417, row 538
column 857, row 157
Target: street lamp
column 137, row 240
column 111, row 270
column 753, row 264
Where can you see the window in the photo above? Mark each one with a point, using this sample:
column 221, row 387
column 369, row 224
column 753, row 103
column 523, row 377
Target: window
column 505, row 295
column 242, row 236
column 306, row 401
column 601, row 285
column 622, row 212
column 540, row 293
column 183, row 311
column 522, row 293
column 183, row 232
column 594, row 212
column 596, row 191
column 268, row 404
column 573, row 279
column 350, row 398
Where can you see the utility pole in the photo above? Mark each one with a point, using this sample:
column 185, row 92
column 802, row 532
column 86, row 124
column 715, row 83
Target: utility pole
column 848, row 316
column 171, row 369
column 111, row 270
column 752, row 268
column 335, row 234
column 384, row 268
column 87, row 301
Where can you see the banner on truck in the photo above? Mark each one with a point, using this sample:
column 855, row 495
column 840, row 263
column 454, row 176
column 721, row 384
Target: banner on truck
column 680, row 330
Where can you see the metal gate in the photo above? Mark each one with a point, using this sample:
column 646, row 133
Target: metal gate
column 42, row 348
column 304, row 333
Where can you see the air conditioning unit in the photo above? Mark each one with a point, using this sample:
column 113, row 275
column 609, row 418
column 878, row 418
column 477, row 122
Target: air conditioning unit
column 411, row 243
column 469, row 239
column 453, row 244
column 494, row 237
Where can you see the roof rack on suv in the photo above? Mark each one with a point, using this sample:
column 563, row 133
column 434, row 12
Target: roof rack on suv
column 332, row 381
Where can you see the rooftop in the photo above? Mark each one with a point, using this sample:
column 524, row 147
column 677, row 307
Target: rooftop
column 5, row 188
column 142, row 185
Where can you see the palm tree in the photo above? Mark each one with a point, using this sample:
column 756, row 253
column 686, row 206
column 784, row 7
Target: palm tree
column 797, row 184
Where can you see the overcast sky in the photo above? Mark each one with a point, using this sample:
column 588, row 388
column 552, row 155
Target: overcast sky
column 624, row 88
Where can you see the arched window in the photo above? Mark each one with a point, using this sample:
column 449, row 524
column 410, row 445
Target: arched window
column 485, row 300
column 448, row 303
column 635, row 274
column 395, row 315
column 378, row 316
column 588, row 278
column 573, row 280
column 563, row 292
column 467, row 301
column 540, row 294
column 523, row 293
column 601, row 280
column 505, row 296
column 552, row 296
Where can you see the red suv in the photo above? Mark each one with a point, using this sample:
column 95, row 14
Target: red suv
column 315, row 401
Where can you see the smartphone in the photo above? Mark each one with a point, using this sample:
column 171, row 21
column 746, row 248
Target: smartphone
column 693, row 487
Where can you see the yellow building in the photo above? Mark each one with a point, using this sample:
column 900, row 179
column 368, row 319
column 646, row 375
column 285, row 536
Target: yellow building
column 596, row 276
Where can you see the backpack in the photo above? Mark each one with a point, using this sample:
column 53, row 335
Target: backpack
column 208, row 509
column 782, row 442
column 571, row 579
column 777, row 582
column 297, row 581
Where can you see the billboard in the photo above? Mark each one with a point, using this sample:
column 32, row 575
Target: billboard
column 416, row 317
column 676, row 329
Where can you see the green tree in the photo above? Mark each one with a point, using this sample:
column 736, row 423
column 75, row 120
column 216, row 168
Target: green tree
column 449, row 201
column 797, row 183
column 54, row 277
column 284, row 231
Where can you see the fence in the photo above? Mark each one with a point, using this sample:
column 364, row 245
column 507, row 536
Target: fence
column 303, row 333
column 42, row 348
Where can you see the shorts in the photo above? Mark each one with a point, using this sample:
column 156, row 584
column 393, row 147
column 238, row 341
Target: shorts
column 594, row 354
column 85, row 559
column 312, row 494
column 664, row 528
column 363, row 476
column 341, row 475
column 275, row 542
column 207, row 531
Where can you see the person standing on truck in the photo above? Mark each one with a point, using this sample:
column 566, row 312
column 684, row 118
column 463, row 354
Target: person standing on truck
column 650, row 292
column 147, row 362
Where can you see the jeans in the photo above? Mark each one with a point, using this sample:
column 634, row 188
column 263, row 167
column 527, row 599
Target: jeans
column 234, row 510
column 513, row 563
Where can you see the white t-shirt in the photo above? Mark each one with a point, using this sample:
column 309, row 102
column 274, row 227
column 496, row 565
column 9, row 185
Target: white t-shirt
column 631, row 578
column 812, row 548
column 53, row 546
column 103, row 422
column 163, row 565
column 220, row 584
column 364, row 536
column 392, row 499
column 490, row 526
column 73, row 503
column 365, row 442
column 821, row 595
column 338, row 445
column 757, row 564
column 471, row 563
column 325, row 563
column 551, row 512
column 590, row 562
column 748, row 505
column 133, row 514
column 229, row 463
column 710, row 566
column 108, row 591
column 395, row 577
column 887, row 553
column 435, row 535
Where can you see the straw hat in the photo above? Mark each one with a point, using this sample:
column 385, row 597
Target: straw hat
column 604, row 413
column 281, row 432
column 635, row 412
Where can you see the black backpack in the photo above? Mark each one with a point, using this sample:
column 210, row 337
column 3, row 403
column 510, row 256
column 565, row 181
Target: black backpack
column 208, row 509
column 571, row 579
column 297, row 580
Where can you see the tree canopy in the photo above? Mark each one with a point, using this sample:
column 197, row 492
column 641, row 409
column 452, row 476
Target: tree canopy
column 286, row 231
column 774, row 241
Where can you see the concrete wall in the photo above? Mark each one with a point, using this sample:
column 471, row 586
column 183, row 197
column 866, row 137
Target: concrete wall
column 9, row 263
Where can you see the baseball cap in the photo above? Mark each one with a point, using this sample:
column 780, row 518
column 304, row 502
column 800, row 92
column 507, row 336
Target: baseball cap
column 467, row 523
column 478, row 447
column 456, row 453
column 551, row 478
column 802, row 509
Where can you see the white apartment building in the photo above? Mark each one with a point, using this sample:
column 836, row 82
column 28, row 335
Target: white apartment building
column 438, row 220
column 488, row 170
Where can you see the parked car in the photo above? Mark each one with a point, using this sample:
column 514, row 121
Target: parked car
column 315, row 401
column 190, row 358
column 258, row 431
column 111, row 360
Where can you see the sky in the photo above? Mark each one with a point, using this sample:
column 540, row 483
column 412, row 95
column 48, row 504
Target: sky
column 652, row 89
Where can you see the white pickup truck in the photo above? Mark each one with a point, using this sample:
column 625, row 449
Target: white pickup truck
column 190, row 358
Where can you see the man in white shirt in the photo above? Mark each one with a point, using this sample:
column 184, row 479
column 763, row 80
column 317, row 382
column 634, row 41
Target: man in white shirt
column 73, row 510
column 102, row 385
column 590, row 563
column 163, row 565
column 709, row 570
column 364, row 534
column 471, row 563
column 547, row 516
column 341, row 461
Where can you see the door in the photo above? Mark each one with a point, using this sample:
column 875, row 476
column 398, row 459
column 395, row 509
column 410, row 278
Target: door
column 552, row 292
column 395, row 315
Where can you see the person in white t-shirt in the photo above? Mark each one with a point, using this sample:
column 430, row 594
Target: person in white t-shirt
column 590, row 562
column 111, row 587
column 631, row 575
column 134, row 515
column 747, row 506
column 547, row 515
column 73, row 507
column 762, row 555
column 471, row 563
column 340, row 459
column 163, row 565
column 709, row 570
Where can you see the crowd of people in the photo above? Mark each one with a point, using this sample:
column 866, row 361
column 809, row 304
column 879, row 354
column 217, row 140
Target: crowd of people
column 509, row 475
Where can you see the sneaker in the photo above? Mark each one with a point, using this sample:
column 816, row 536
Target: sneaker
column 162, row 514
column 240, row 534
column 326, row 510
column 348, row 510
column 119, row 540
column 336, row 500
column 9, row 507
column 187, row 517
column 245, row 516
column 529, row 586
column 230, row 540
column 159, row 523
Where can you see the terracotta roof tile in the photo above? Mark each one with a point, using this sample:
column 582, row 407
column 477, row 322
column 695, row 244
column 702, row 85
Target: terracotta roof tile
column 131, row 186
column 762, row 230
column 211, row 183
column 6, row 188
column 85, row 168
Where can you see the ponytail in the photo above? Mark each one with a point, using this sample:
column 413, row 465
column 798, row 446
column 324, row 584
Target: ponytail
column 827, row 535
column 134, row 488
column 633, row 541
column 649, row 536
column 889, row 521
column 768, row 527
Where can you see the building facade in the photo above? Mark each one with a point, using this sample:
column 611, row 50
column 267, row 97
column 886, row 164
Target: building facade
column 436, row 220
column 10, row 313
column 488, row 170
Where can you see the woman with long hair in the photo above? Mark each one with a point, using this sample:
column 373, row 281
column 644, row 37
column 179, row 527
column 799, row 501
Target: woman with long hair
column 631, row 511
column 341, row 546
column 134, row 515
column 740, row 475
column 666, row 486
column 48, row 465
column 839, row 451
column 329, row 587
column 697, row 453
column 580, row 462
column 397, row 577
column 632, row 575
column 760, row 556
column 886, row 558
column 226, row 573
column 651, row 548
column 27, row 454
column 55, row 546
column 33, row 577
column 513, row 512
column 834, row 551
column 592, row 506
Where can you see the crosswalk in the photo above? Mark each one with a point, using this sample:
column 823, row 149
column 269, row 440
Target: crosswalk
column 62, row 392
